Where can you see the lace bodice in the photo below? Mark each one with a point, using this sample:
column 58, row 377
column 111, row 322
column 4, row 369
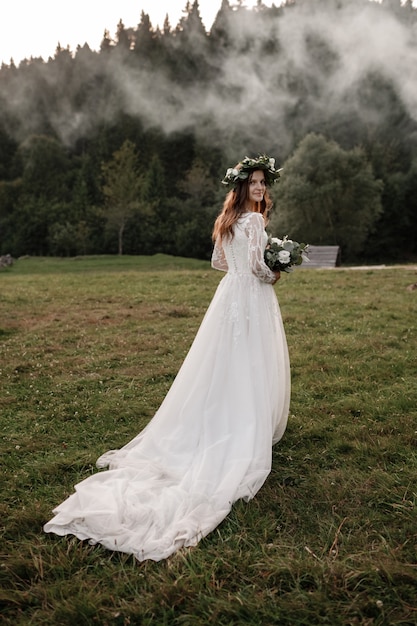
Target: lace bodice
column 244, row 254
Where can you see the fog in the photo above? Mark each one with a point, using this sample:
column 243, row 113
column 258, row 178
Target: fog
column 323, row 57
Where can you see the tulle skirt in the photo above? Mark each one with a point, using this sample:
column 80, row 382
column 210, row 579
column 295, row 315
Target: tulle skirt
column 210, row 442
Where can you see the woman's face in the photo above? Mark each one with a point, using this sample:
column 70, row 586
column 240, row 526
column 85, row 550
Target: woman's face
column 256, row 186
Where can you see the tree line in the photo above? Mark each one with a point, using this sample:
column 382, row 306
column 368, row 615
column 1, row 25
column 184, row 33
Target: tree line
column 122, row 150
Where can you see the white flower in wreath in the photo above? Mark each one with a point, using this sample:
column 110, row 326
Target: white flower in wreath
column 232, row 172
column 271, row 163
column 277, row 241
column 284, row 256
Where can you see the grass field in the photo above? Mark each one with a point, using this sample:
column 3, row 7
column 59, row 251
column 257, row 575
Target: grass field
column 88, row 349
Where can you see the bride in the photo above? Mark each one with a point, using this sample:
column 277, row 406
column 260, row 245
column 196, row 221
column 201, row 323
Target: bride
column 210, row 442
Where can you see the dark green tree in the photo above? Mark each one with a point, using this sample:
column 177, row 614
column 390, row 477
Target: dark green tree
column 8, row 148
column 197, row 211
column 46, row 168
column 146, row 41
column 191, row 62
column 106, row 43
column 159, row 222
column 220, row 35
column 328, row 196
column 124, row 37
column 9, row 196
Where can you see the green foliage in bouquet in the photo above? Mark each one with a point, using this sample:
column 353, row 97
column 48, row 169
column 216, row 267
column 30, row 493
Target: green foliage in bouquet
column 283, row 254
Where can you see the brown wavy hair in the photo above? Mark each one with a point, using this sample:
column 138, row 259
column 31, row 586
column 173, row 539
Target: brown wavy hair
column 234, row 205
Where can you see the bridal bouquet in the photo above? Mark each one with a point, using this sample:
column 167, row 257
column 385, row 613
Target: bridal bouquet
column 282, row 254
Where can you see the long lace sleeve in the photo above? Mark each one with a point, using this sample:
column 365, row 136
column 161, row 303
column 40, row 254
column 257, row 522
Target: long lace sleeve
column 218, row 258
column 255, row 229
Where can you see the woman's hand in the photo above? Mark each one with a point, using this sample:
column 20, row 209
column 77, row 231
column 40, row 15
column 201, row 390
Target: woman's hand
column 277, row 277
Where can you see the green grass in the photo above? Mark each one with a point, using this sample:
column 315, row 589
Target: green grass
column 88, row 349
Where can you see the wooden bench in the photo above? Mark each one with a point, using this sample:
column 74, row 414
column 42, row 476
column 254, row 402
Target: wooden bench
column 323, row 256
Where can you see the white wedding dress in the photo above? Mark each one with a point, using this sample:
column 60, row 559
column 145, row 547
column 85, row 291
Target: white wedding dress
column 210, row 442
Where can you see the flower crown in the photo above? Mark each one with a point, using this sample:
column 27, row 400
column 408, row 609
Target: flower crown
column 247, row 165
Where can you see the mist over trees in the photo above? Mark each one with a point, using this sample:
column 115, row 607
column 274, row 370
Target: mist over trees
column 123, row 149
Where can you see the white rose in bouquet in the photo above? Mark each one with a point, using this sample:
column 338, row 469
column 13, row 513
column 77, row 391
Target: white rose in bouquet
column 284, row 256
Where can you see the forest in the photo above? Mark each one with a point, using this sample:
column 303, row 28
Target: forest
column 122, row 150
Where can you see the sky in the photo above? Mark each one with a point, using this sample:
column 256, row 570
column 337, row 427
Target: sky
column 34, row 27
